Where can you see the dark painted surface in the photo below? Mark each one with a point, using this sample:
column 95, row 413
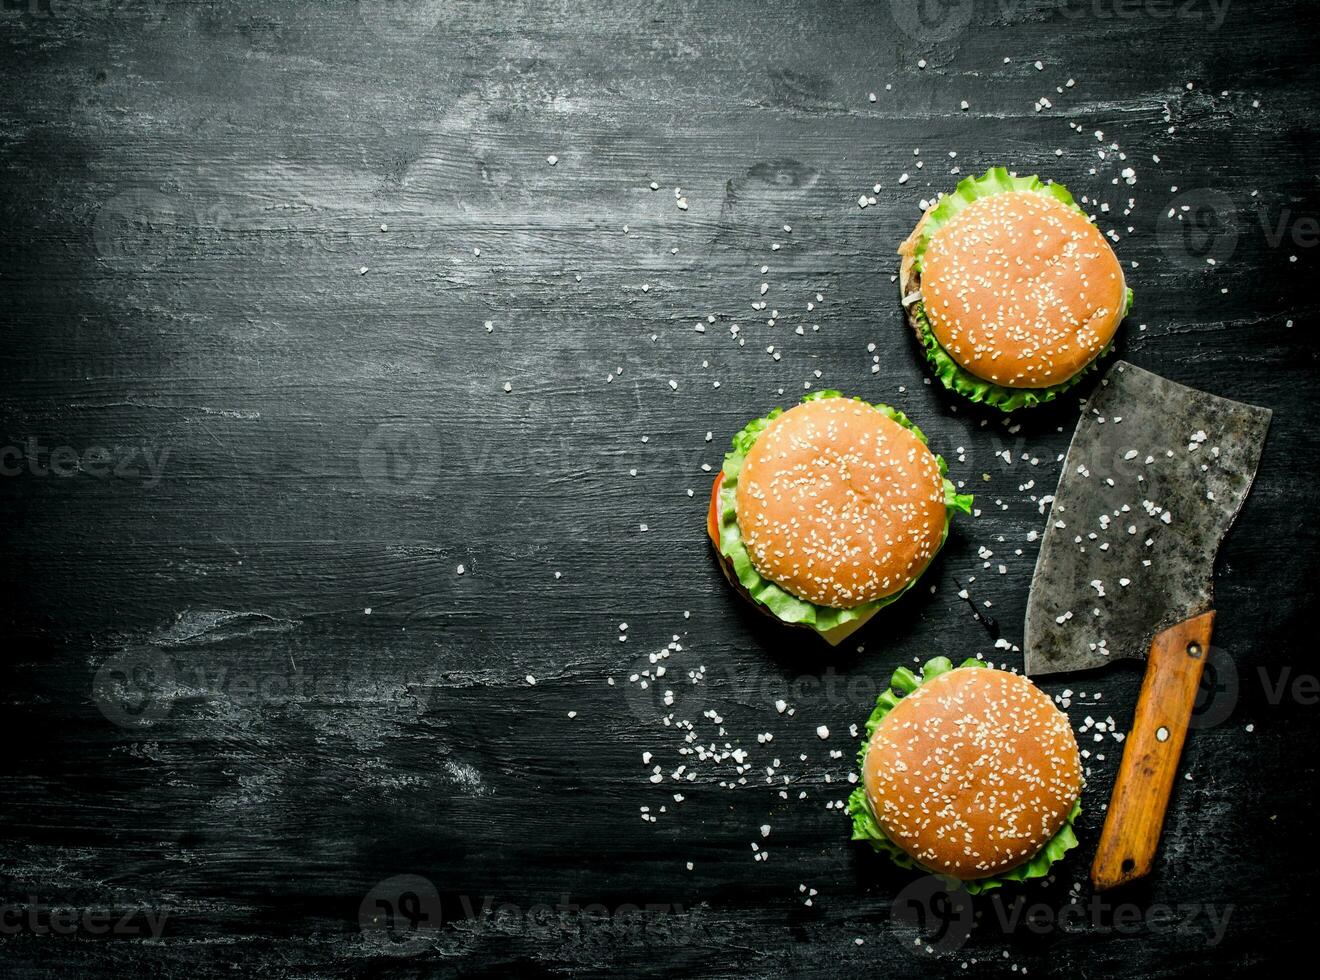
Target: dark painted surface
column 269, row 442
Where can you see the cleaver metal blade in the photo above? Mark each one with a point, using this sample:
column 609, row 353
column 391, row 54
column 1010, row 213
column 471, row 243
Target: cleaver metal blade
column 1154, row 477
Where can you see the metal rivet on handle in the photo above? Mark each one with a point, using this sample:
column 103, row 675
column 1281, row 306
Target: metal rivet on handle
column 1194, row 650
column 1162, row 734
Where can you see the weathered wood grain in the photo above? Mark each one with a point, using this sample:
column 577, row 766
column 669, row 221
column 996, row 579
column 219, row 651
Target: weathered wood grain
column 190, row 193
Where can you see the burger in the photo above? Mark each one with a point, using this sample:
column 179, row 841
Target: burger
column 970, row 773
column 1011, row 289
column 826, row 513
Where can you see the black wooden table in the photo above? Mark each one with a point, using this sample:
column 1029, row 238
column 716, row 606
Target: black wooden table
column 365, row 367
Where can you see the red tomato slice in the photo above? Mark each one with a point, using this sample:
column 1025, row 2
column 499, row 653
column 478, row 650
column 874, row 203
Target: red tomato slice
column 713, row 515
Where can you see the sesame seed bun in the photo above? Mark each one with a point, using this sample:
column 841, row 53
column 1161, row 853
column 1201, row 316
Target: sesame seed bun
column 839, row 504
column 1020, row 289
column 833, row 636
column 973, row 772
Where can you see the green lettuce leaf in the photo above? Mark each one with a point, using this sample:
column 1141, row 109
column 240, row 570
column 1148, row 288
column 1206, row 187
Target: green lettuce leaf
column 996, row 180
column 957, row 378
column 865, row 827
column 952, row 375
column 786, row 606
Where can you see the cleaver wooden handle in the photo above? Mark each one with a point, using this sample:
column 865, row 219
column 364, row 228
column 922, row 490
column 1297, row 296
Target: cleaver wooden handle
column 1150, row 757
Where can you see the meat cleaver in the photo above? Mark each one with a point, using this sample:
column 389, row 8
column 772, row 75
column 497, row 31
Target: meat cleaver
column 1155, row 474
